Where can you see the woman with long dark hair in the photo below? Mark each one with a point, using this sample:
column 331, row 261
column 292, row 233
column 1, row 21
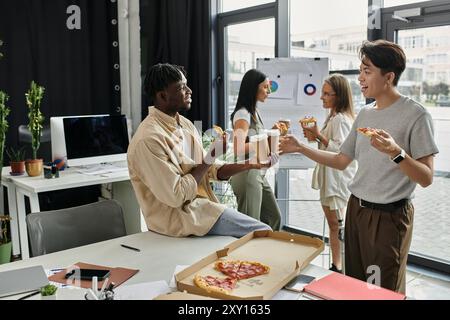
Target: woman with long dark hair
column 254, row 194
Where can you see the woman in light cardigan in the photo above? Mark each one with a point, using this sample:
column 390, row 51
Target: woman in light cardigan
column 332, row 183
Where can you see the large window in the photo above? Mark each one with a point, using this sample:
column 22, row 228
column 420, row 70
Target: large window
column 246, row 43
column 244, row 36
column 230, row 5
column 426, row 80
column 318, row 33
column 336, row 29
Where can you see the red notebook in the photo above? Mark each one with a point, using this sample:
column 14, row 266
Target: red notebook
column 339, row 287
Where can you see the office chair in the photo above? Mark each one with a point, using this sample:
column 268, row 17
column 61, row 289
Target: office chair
column 63, row 229
column 25, row 140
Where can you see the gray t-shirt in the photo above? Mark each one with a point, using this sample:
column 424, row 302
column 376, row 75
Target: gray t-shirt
column 378, row 178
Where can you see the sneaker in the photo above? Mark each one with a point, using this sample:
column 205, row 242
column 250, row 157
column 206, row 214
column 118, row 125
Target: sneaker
column 335, row 269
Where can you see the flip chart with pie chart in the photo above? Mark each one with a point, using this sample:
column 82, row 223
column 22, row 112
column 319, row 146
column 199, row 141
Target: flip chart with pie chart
column 296, row 85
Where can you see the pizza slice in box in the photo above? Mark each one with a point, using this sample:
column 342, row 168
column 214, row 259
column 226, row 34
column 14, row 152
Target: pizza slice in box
column 241, row 269
column 215, row 284
column 229, row 268
column 368, row 132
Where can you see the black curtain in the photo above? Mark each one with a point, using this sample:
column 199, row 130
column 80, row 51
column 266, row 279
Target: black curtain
column 79, row 68
column 178, row 32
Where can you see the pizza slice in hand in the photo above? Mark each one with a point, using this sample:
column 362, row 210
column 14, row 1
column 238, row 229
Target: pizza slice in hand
column 215, row 284
column 218, row 130
column 369, row 132
column 282, row 127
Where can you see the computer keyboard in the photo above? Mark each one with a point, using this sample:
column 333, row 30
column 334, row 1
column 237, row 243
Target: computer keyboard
column 114, row 174
column 104, row 168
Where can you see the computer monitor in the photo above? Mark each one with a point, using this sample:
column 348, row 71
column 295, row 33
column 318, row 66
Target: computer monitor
column 86, row 140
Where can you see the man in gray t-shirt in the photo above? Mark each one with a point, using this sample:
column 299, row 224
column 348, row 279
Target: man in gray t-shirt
column 379, row 179
column 398, row 155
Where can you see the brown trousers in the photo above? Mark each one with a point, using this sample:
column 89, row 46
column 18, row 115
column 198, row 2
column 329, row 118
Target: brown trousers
column 381, row 239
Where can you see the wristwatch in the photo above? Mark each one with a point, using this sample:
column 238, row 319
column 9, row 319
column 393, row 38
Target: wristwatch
column 400, row 157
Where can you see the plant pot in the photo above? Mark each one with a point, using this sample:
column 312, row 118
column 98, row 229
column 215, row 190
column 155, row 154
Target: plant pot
column 5, row 252
column 52, row 297
column 34, row 167
column 17, row 168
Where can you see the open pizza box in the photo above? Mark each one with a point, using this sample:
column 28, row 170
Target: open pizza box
column 286, row 254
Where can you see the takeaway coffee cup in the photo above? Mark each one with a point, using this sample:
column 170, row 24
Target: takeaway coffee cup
column 260, row 145
column 273, row 140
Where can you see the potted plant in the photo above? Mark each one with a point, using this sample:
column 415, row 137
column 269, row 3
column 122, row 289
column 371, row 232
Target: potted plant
column 16, row 160
column 4, row 111
column 34, row 98
column 5, row 241
column 49, row 292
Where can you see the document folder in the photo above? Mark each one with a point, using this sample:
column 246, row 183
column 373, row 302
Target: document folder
column 339, row 287
column 118, row 275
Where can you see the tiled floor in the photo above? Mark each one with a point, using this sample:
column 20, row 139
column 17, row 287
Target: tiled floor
column 421, row 284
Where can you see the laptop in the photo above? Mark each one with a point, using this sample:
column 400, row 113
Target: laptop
column 22, row 281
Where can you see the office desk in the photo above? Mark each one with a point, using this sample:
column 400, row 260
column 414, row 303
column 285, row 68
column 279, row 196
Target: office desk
column 157, row 260
column 25, row 186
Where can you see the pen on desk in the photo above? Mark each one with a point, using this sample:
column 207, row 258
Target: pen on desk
column 131, row 248
column 29, row 295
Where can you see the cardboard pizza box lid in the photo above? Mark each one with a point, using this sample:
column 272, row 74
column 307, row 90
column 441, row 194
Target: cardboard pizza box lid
column 286, row 254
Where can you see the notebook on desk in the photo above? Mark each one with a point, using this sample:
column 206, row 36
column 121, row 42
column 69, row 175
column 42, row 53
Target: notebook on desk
column 339, row 287
column 22, row 280
column 118, row 275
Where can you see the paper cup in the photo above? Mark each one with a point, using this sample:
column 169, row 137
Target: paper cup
column 261, row 146
column 274, row 140
column 310, row 137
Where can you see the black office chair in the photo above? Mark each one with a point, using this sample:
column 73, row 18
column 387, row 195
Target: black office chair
column 25, row 139
column 63, row 229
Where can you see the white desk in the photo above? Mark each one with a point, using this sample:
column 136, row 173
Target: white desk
column 25, row 186
column 157, row 260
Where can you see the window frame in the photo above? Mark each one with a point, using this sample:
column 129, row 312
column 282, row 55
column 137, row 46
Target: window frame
column 278, row 10
column 434, row 14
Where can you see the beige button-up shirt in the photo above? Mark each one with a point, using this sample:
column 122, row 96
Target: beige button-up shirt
column 170, row 199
